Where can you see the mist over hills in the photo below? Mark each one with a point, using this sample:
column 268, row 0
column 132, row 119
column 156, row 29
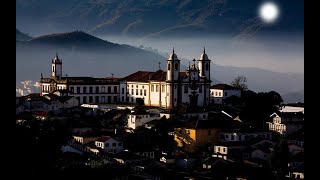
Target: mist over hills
column 20, row 36
column 86, row 55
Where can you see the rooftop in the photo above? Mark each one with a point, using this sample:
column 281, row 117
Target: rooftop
column 145, row 76
column 224, row 87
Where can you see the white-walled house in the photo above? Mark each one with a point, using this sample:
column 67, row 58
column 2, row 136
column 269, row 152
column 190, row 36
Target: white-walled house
column 139, row 117
column 219, row 92
column 286, row 123
column 109, row 144
column 243, row 135
column 85, row 89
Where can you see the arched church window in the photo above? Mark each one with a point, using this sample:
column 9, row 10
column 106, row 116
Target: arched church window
column 176, row 66
column 52, row 68
column 169, row 67
column 207, row 66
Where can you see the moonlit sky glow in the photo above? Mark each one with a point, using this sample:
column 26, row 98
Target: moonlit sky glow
column 269, row 12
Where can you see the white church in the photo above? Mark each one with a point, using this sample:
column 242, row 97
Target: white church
column 166, row 89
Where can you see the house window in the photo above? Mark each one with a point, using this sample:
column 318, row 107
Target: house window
column 122, row 98
column 132, row 91
column 145, row 92
column 186, row 89
column 90, row 99
column 90, row 90
column 169, row 66
column 140, row 92
column 221, row 136
column 109, row 89
column 200, row 89
column 216, row 93
column 97, row 99
column 209, row 132
column 162, row 88
column 157, row 88
column 218, row 149
column 84, row 89
column 72, row 89
column 115, row 89
column 78, row 90
column 232, row 137
column 122, row 91
column 52, row 68
column 219, row 93
column 224, row 149
column 107, row 144
column 84, row 99
column 119, row 144
column 225, row 94
column 114, row 144
column 227, row 136
column 239, row 137
column 115, row 99
column 137, row 91
column 176, row 66
column 204, row 116
column 152, row 88
column 97, row 89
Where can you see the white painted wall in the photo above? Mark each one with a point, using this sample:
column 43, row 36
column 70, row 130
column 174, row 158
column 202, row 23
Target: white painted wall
column 109, row 146
column 138, row 86
column 227, row 136
column 220, row 150
column 135, row 121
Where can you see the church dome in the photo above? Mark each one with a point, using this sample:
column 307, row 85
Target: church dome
column 56, row 59
column 204, row 56
column 173, row 56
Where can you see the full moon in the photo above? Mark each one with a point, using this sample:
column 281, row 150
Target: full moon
column 269, row 12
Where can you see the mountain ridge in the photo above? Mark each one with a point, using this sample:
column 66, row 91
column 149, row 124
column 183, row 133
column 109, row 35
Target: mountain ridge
column 96, row 59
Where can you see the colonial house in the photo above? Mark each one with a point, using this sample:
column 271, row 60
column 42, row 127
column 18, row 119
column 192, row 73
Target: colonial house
column 33, row 102
column 199, row 133
column 243, row 135
column 220, row 92
column 54, row 102
column 260, row 150
column 84, row 139
column 109, row 144
column 85, row 89
column 170, row 88
column 286, row 123
column 141, row 116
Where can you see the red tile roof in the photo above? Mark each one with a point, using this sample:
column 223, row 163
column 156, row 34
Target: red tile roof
column 103, row 138
column 224, row 87
column 145, row 76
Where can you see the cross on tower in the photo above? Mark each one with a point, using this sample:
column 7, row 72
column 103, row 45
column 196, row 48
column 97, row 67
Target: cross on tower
column 194, row 61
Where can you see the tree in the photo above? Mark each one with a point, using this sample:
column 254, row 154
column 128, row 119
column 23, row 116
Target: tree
column 240, row 82
column 279, row 159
